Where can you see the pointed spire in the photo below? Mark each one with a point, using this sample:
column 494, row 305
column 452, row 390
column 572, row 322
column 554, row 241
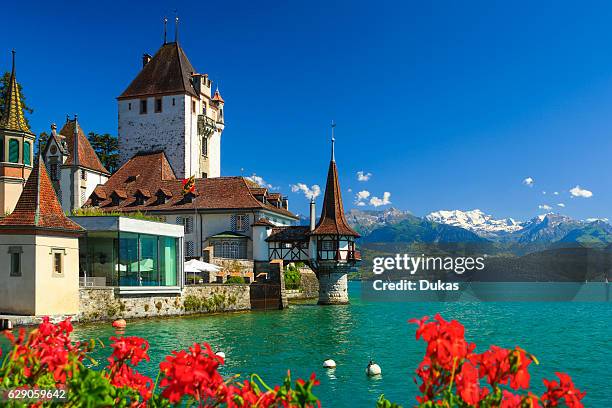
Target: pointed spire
column 176, row 27
column 13, row 117
column 333, row 220
column 333, row 142
column 75, row 142
column 38, row 206
column 217, row 96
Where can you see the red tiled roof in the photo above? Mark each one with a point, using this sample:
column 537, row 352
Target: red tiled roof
column 274, row 196
column 217, row 97
column 38, row 206
column 86, row 155
column 211, row 193
column 333, row 221
column 168, row 72
column 263, row 222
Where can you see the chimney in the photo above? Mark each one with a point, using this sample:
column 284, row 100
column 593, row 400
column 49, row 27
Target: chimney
column 286, row 203
column 145, row 59
column 313, row 215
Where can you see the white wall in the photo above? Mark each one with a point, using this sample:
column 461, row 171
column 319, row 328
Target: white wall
column 155, row 131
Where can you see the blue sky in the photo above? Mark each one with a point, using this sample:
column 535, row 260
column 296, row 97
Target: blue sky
column 449, row 105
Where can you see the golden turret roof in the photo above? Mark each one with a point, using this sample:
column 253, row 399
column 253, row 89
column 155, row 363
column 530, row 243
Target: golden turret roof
column 13, row 117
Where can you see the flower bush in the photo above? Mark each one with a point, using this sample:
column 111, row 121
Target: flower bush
column 48, row 358
column 451, row 374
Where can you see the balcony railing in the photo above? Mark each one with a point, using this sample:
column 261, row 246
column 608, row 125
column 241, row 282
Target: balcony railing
column 206, row 125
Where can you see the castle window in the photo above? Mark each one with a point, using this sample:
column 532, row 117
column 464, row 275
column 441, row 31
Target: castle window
column 14, row 151
column 158, row 105
column 57, row 263
column 53, row 171
column 204, row 175
column 187, row 222
column 15, row 252
column 204, row 146
column 204, row 108
column 130, row 106
column 242, row 222
column 27, row 153
column 193, row 106
column 143, row 106
column 173, row 102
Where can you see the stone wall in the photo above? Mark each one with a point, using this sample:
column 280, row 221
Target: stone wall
column 103, row 303
column 309, row 284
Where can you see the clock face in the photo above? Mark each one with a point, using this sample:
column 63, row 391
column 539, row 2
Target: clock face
column 53, row 149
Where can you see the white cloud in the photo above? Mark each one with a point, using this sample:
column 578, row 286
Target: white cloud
column 260, row 181
column 377, row 202
column 581, row 192
column 350, row 190
column 556, row 193
column 544, row 207
column 363, row 176
column 310, row 193
column 361, row 196
column 544, row 192
column 561, row 205
column 528, row 182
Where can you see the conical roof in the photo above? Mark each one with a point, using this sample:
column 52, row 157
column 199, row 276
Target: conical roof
column 333, row 220
column 38, row 207
column 13, row 117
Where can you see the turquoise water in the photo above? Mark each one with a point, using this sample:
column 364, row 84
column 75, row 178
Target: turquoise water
column 570, row 337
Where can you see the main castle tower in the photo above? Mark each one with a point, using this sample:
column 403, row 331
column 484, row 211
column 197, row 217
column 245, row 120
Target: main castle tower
column 170, row 107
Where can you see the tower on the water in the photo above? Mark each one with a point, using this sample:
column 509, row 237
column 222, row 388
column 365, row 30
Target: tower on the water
column 332, row 242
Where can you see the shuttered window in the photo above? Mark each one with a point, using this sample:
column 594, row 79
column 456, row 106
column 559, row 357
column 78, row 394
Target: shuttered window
column 14, row 151
column 27, row 153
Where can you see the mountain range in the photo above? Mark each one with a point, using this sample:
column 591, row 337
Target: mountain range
column 393, row 225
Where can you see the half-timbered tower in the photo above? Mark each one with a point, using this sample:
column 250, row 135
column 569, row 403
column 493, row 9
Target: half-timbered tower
column 332, row 242
column 328, row 246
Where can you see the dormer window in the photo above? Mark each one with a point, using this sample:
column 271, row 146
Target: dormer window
column 139, row 199
column 162, row 196
column 117, row 197
column 188, row 198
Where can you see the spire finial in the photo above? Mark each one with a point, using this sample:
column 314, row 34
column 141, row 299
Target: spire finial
column 176, row 26
column 165, row 30
column 14, row 52
column 333, row 141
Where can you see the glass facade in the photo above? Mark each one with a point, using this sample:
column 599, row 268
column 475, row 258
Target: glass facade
column 128, row 259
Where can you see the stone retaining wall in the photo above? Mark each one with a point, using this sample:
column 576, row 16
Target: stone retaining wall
column 103, row 303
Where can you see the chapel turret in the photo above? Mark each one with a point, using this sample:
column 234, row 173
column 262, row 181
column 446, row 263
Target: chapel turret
column 16, row 147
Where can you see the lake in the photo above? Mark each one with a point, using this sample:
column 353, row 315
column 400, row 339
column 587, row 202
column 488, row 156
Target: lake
column 570, row 337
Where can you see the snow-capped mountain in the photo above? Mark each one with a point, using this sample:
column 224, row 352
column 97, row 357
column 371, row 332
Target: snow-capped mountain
column 476, row 221
column 365, row 221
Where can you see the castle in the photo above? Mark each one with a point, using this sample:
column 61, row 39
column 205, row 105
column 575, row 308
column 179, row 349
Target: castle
column 169, row 129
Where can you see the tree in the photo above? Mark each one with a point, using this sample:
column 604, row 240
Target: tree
column 4, row 86
column 106, row 147
column 42, row 143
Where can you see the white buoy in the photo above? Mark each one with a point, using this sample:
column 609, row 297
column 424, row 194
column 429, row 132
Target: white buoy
column 373, row 369
column 329, row 363
column 220, row 354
